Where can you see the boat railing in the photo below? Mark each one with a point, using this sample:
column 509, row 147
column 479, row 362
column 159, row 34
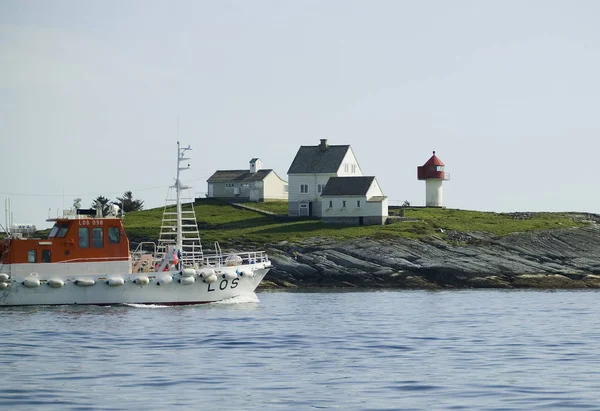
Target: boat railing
column 144, row 257
column 233, row 259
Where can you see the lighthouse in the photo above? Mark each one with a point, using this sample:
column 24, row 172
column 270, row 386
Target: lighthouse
column 433, row 173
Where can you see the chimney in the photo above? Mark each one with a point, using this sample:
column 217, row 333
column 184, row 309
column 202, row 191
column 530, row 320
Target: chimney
column 255, row 165
column 323, row 146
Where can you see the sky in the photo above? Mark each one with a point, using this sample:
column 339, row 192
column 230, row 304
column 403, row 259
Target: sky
column 95, row 94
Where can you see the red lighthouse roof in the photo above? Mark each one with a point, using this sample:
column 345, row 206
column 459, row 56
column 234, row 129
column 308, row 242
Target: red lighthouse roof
column 433, row 161
column 432, row 169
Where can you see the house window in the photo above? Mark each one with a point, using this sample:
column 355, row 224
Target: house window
column 97, row 237
column 358, row 203
column 46, row 256
column 353, row 168
column 346, row 167
column 114, row 235
column 303, row 188
column 343, row 203
column 285, row 188
column 84, row 237
column 31, row 256
column 330, row 204
column 320, row 188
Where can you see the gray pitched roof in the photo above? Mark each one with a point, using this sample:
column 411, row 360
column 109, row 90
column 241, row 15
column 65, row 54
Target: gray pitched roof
column 315, row 160
column 347, row 186
column 226, row 176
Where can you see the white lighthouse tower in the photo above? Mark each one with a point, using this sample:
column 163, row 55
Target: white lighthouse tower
column 433, row 173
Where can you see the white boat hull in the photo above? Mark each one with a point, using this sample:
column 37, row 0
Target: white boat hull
column 154, row 291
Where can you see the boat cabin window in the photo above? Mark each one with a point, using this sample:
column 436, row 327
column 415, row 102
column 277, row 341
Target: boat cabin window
column 59, row 231
column 31, row 256
column 97, row 237
column 46, row 256
column 53, row 231
column 114, row 235
column 84, row 237
column 62, row 231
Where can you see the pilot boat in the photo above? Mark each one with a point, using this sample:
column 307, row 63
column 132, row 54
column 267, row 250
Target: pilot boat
column 86, row 259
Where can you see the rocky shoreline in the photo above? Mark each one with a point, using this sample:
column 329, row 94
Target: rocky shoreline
column 552, row 259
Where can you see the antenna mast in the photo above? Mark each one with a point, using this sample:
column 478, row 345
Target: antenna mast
column 178, row 189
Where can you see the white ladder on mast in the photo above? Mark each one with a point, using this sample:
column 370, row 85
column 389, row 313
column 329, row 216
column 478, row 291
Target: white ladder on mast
column 179, row 227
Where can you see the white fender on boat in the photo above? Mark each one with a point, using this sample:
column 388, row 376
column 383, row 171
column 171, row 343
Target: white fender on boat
column 56, row 283
column 167, row 279
column 4, row 278
column 229, row 275
column 4, row 285
column 188, row 272
column 210, row 279
column 187, row 280
column 207, row 272
column 115, row 282
column 247, row 274
column 31, row 282
column 141, row 280
column 85, row 283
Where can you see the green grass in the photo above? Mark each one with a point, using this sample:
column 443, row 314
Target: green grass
column 493, row 223
column 221, row 222
column 277, row 207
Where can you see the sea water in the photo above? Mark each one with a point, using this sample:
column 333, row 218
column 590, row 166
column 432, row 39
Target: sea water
column 367, row 350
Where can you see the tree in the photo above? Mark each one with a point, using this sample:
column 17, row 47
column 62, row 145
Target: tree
column 128, row 204
column 103, row 203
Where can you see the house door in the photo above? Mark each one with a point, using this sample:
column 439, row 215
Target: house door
column 303, row 209
column 310, row 211
column 360, row 221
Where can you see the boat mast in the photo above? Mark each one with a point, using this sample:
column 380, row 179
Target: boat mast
column 178, row 188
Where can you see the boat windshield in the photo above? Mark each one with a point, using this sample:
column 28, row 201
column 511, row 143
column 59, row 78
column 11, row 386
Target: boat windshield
column 58, row 231
column 53, row 231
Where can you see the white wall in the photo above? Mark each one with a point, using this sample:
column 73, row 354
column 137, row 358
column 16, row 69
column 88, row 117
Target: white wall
column 312, row 180
column 433, row 192
column 374, row 190
column 366, row 209
column 349, row 166
column 274, row 187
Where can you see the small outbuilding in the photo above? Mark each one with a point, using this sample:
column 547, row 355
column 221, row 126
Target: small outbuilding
column 254, row 184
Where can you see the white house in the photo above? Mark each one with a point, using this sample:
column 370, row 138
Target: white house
column 353, row 200
column 310, row 171
column 254, row 184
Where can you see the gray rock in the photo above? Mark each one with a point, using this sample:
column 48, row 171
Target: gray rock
column 560, row 258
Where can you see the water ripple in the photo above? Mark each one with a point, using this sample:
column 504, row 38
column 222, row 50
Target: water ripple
column 484, row 350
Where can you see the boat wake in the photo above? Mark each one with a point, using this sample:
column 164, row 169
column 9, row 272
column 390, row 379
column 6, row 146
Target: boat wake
column 240, row 299
column 147, row 305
